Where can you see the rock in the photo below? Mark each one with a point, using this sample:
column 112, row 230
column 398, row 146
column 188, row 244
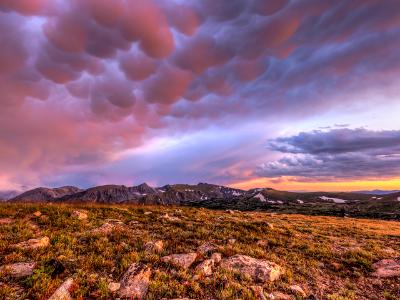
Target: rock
column 279, row 296
column 108, row 227
column 229, row 211
column 170, row 218
column 205, row 268
column 258, row 292
column 206, row 248
column 183, row 261
column 114, row 286
column 63, row 292
column 80, row 215
column 6, row 221
column 387, row 268
column 55, row 266
column 37, row 213
column 231, row 241
column 270, row 226
column 18, row 270
column 33, row 243
column 154, row 246
column 147, row 213
column 297, row 290
column 216, row 257
column 262, row 243
column 259, row 270
column 135, row 282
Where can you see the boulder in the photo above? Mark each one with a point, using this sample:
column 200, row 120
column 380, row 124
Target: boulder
column 183, row 261
column 18, row 270
column 216, row 257
column 231, row 241
column 37, row 213
column 387, row 268
column 154, row 246
column 135, row 282
column 108, row 227
column 170, row 218
column 206, row 248
column 280, row 296
column 63, row 292
column 80, row 215
column 114, row 286
column 205, row 268
column 258, row 270
column 297, row 290
column 33, row 243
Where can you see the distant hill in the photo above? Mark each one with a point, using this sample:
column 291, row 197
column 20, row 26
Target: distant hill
column 377, row 192
column 6, row 195
column 385, row 206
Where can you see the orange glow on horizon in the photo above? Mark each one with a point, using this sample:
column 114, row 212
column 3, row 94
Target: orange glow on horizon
column 287, row 184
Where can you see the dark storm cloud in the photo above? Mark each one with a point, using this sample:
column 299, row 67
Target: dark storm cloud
column 336, row 154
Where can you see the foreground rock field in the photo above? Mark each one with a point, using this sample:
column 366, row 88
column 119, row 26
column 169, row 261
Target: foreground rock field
column 154, row 252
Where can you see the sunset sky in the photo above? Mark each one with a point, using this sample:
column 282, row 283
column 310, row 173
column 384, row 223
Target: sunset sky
column 295, row 95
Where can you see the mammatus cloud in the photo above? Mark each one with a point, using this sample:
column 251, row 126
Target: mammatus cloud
column 82, row 80
column 337, row 154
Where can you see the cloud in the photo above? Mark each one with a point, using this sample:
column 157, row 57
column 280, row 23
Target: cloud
column 336, row 154
column 109, row 77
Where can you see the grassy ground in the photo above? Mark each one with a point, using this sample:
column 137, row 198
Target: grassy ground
column 330, row 258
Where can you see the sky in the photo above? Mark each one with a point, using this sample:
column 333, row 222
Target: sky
column 294, row 95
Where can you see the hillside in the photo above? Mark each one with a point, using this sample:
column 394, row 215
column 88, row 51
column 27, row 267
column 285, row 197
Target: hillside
column 104, row 251
column 220, row 197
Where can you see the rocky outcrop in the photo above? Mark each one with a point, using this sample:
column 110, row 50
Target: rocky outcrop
column 135, row 282
column 205, row 268
column 206, row 248
column 258, row 270
column 18, row 270
column 6, row 221
column 183, row 261
column 108, row 227
column 387, row 268
column 33, row 243
column 63, row 292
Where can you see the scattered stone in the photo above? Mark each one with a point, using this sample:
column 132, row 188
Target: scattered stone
column 133, row 222
column 259, row 270
column 170, row 218
column 183, row 261
column 34, row 243
column 216, row 257
column 55, row 266
column 135, row 282
column 108, row 227
column 18, row 270
column 297, row 290
column 270, row 226
column 80, row 215
column 258, row 292
column 147, row 213
column 229, row 211
column 387, row 268
column 114, row 286
column 37, row 213
column 231, row 241
column 206, row 248
column 154, row 246
column 262, row 243
column 205, row 268
column 6, row 221
column 63, row 292
column 279, row 296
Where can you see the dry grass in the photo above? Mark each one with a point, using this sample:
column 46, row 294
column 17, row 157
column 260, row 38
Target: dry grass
column 330, row 258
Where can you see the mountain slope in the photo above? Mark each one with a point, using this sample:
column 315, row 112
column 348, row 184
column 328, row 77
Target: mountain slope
column 45, row 194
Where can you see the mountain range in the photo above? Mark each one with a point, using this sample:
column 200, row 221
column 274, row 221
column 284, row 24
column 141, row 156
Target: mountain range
column 356, row 204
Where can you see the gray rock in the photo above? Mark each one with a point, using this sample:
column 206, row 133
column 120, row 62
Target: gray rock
column 257, row 269
column 18, row 270
column 135, row 282
column 183, row 261
column 34, row 243
column 387, row 268
column 63, row 292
